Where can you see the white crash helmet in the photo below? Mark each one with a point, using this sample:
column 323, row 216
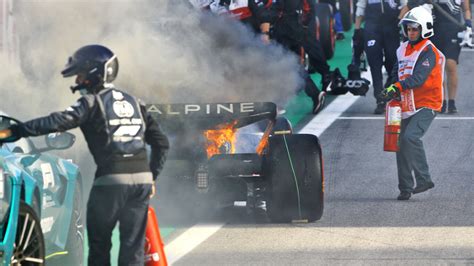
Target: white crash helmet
column 421, row 16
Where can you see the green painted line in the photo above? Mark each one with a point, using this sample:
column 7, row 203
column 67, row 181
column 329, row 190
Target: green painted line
column 300, row 105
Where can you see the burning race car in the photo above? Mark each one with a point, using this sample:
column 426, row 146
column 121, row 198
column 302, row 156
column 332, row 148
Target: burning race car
column 40, row 203
column 227, row 152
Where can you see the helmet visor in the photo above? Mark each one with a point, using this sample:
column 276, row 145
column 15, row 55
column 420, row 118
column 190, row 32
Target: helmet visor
column 405, row 24
column 71, row 69
column 413, row 25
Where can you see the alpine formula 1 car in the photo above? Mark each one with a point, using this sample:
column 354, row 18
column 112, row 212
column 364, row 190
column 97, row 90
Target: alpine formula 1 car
column 222, row 153
column 40, row 203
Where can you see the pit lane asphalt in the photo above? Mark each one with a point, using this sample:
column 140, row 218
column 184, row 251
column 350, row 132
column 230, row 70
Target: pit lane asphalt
column 363, row 223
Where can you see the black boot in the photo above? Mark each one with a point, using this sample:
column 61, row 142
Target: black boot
column 404, row 196
column 452, row 107
column 423, row 187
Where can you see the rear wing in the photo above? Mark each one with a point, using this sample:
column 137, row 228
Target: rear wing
column 205, row 116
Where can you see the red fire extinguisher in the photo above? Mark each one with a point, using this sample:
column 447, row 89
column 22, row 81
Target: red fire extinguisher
column 393, row 120
column 154, row 247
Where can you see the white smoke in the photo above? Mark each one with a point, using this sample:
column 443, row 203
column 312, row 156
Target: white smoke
column 168, row 52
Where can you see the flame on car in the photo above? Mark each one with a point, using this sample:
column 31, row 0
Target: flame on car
column 222, row 140
column 264, row 141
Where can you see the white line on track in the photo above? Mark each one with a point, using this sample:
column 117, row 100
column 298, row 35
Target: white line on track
column 197, row 234
column 190, row 239
column 329, row 114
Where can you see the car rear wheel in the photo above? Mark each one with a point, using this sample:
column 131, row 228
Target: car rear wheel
column 29, row 242
column 294, row 175
column 326, row 29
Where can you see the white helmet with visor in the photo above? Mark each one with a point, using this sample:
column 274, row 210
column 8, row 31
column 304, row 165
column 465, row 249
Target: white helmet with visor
column 418, row 17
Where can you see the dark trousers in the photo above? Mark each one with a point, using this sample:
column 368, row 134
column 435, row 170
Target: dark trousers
column 381, row 43
column 109, row 204
column 289, row 33
column 412, row 157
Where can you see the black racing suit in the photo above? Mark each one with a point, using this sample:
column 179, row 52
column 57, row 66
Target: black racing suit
column 116, row 127
column 382, row 38
column 291, row 29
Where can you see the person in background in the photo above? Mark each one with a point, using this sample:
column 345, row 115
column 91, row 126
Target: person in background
column 291, row 28
column 381, row 38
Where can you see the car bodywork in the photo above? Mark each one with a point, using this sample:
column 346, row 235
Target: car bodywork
column 225, row 152
column 43, row 181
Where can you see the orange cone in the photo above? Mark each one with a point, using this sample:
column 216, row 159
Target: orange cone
column 154, row 247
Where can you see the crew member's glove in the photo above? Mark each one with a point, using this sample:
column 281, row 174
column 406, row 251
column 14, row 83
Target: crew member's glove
column 389, row 93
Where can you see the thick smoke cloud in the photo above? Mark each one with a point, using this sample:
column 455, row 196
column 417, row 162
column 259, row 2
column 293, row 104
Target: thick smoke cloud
column 168, row 52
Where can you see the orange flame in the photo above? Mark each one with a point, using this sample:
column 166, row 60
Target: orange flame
column 264, row 141
column 217, row 138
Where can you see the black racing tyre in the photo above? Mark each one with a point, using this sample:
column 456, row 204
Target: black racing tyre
column 327, row 36
column 294, row 195
column 29, row 240
column 346, row 10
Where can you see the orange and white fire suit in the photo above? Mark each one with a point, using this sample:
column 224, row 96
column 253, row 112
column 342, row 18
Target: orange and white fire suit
column 420, row 86
column 420, row 72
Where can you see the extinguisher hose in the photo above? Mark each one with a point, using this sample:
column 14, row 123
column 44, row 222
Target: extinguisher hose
column 294, row 176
